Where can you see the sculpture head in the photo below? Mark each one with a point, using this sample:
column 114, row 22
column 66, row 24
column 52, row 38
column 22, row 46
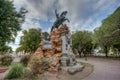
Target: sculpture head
column 63, row 13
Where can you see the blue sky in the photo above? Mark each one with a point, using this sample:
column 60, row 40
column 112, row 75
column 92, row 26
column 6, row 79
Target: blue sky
column 83, row 14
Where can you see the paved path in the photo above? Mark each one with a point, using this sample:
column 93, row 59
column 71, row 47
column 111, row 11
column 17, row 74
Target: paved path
column 104, row 69
column 1, row 75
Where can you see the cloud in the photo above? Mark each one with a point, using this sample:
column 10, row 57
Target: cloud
column 30, row 23
column 83, row 14
column 80, row 12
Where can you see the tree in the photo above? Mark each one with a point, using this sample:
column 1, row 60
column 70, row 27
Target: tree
column 30, row 40
column 113, row 28
column 100, row 39
column 108, row 34
column 82, row 41
column 9, row 22
column 45, row 35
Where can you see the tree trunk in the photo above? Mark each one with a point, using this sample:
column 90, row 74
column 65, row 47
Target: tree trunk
column 79, row 53
column 90, row 54
column 84, row 54
column 106, row 51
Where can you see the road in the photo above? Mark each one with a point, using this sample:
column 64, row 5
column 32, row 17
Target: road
column 104, row 69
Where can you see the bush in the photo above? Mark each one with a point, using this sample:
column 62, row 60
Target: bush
column 6, row 60
column 29, row 74
column 16, row 71
column 25, row 59
column 39, row 65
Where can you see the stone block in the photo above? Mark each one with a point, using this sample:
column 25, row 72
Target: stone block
column 49, row 53
column 59, row 48
column 58, row 54
column 59, row 43
column 55, row 61
column 76, row 68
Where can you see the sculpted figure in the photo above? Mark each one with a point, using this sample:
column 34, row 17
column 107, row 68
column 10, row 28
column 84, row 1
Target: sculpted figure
column 59, row 19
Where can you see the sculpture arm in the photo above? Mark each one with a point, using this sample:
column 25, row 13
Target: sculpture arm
column 57, row 15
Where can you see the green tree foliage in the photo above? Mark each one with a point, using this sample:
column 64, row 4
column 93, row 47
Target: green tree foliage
column 10, row 22
column 82, row 42
column 30, row 40
column 108, row 33
column 4, row 49
column 101, row 40
column 6, row 60
column 45, row 35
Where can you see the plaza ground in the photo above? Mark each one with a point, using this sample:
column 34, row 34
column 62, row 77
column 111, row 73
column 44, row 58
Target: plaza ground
column 104, row 69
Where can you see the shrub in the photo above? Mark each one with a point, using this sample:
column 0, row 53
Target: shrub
column 6, row 60
column 25, row 59
column 39, row 65
column 16, row 71
column 29, row 74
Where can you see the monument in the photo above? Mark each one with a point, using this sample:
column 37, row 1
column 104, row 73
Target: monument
column 57, row 51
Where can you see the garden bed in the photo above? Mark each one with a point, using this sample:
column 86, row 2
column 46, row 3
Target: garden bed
column 3, row 69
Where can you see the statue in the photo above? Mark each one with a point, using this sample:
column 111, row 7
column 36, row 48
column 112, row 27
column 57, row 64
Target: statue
column 60, row 19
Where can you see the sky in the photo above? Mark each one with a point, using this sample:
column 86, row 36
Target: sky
column 83, row 14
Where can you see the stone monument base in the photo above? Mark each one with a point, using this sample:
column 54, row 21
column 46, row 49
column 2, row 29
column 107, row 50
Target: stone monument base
column 73, row 69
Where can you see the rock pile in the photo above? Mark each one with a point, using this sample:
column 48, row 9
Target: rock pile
column 57, row 52
column 52, row 53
